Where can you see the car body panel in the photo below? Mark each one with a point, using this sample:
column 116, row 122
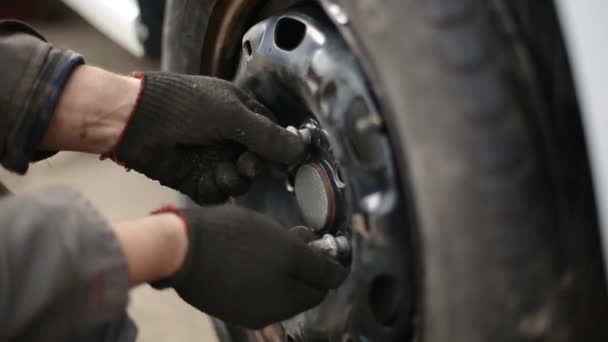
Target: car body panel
column 586, row 31
column 118, row 19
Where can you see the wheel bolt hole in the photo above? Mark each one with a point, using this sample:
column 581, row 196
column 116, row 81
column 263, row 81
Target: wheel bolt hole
column 384, row 298
column 248, row 48
column 289, row 33
column 290, row 338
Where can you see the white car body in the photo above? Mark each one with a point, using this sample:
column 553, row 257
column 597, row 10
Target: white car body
column 118, row 19
column 586, row 32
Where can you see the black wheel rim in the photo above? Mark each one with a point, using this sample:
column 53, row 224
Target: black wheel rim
column 297, row 64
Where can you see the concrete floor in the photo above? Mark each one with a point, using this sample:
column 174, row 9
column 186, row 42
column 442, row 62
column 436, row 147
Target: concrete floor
column 160, row 316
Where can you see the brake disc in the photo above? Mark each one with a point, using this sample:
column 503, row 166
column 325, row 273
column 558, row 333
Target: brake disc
column 297, row 64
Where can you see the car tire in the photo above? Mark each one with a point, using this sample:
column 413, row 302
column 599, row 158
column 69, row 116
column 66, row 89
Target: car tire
column 505, row 225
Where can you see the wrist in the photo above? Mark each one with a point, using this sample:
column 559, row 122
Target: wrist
column 175, row 238
column 173, row 277
column 92, row 112
column 154, row 247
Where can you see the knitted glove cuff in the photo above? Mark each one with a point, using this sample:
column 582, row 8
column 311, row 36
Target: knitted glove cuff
column 160, row 94
column 172, row 280
column 112, row 153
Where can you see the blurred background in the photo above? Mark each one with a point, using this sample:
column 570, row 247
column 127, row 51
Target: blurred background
column 136, row 25
column 160, row 316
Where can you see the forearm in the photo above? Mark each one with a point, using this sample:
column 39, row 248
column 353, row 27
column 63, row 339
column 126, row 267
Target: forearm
column 92, row 111
column 154, row 247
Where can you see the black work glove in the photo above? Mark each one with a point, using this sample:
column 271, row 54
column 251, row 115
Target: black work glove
column 245, row 268
column 201, row 136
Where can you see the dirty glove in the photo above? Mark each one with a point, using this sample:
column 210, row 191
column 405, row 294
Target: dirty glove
column 190, row 132
column 245, row 268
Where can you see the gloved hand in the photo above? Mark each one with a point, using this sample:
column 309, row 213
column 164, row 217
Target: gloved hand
column 190, row 132
column 245, row 268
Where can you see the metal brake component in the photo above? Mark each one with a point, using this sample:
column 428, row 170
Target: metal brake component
column 338, row 247
column 318, row 188
column 315, row 196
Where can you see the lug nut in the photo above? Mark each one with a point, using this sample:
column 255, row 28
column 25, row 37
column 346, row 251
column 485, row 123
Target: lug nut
column 292, row 130
column 336, row 247
column 303, row 133
column 306, row 135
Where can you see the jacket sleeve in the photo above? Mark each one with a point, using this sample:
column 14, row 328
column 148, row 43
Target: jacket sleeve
column 33, row 75
column 61, row 268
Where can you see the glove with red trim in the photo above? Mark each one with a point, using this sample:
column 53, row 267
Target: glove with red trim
column 247, row 269
column 201, row 136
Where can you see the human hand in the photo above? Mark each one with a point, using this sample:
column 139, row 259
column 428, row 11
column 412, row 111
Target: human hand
column 201, row 136
column 245, row 268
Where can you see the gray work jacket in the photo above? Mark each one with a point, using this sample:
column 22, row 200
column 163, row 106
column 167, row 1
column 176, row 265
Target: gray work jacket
column 62, row 272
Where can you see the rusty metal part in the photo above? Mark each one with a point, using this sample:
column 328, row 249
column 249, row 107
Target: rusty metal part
column 229, row 21
column 338, row 247
column 227, row 18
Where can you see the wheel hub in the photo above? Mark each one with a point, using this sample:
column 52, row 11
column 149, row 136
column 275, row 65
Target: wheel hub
column 320, row 193
column 315, row 196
